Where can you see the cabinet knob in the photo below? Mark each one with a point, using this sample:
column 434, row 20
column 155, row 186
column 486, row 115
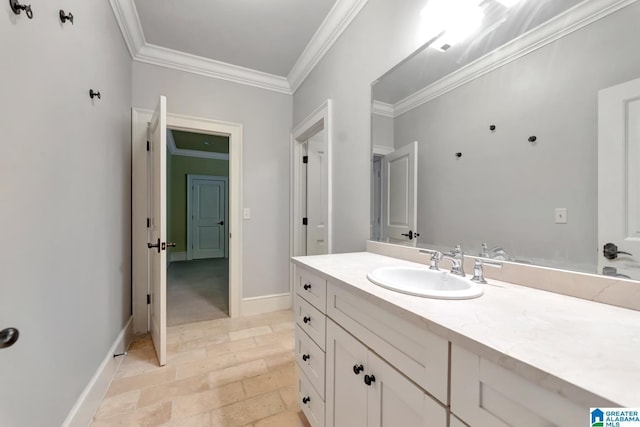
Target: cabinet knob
column 368, row 379
column 306, row 319
column 357, row 369
column 306, row 357
column 307, row 286
column 306, row 400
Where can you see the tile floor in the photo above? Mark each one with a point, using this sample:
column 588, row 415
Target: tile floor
column 197, row 290
column 222, row 373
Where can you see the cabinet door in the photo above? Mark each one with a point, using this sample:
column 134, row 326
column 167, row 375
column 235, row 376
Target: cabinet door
column 346, row 392
column 393, row 400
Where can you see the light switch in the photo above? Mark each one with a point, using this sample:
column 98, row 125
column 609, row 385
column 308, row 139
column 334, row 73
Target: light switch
column 561, row 215
column 246, row 213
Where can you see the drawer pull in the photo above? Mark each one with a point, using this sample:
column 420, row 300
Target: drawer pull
column 368, row 379
column 306, row 400
column 306, row 319
column 307, row 286
column 357, row 369
column 306, row 357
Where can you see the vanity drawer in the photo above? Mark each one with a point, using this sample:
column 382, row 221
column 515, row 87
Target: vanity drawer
column 310, row 320
column 310, row 401
column 408, row 345
column 487, row 395
column 310, row 359
column 312, row 288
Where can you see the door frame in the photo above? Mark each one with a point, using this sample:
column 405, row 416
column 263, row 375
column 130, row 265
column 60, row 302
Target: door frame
column 190, row 178
column 139, row 206
column 320, row 119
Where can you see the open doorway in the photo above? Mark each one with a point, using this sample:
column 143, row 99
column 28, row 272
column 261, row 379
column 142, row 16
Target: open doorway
column 197, row 219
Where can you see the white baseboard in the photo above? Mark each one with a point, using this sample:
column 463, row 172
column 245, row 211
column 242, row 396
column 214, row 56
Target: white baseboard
column 178, row 256
column 265, row 304
column 87, row 404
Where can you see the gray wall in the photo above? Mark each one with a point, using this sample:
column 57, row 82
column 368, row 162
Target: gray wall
column 382, row 34
column 266, row 119
column 504, row 190
column 65, row 204
column 382, row 131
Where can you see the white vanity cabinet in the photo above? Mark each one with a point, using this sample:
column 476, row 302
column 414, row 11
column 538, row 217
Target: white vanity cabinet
column 365, row 391
column 309, row 307
column 484, row 394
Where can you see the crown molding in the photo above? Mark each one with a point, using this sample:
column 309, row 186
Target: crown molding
column 175, row 151
column 382, row 109
column 339, row 17
column 566, row 23
column 337, row 20
column 129, row 22
column 169, row 58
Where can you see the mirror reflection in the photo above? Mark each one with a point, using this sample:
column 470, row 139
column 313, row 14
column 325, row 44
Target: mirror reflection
column 492, row 143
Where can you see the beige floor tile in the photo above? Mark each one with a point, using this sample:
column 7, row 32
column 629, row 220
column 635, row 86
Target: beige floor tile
column 284, row 419
column 250, row 332
column 198, row 403
column 119, row 404
column 207, row 365
column 200, row 420
column 152, row 416
column 280, row 359
column 287, row 325
column 289, row 396
column 168, row 391
column 237, row 372
column 137, row 382
column 270, row 381
column 248, row 411
column 230, row 347
column 184, row 357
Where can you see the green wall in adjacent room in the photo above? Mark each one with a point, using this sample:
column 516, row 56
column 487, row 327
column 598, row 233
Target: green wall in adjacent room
column 180, row 167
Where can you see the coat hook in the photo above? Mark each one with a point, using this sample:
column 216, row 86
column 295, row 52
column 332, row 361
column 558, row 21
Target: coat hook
column 492, row 128
column 64, row 18
column 93, row 94
column 458, row 155
column 18, row 8
column 532, row 139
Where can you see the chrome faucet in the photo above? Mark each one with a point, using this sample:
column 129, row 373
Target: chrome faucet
column 456, row 265
column 478, row 276
column 456, row 252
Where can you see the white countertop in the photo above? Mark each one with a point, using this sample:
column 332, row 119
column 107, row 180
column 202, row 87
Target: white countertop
column 576, row 348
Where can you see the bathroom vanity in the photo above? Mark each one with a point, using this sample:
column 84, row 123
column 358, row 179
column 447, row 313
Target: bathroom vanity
column 514, row 356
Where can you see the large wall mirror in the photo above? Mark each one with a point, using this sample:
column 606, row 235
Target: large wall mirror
column 524, row 137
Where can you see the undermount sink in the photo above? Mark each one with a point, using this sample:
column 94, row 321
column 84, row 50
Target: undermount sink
column 423, row 282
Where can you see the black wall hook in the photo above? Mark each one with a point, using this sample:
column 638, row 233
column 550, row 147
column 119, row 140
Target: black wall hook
column 93, row 94
column 18, row 8
column 64, row 18
column 458, row 154
column 532, row 139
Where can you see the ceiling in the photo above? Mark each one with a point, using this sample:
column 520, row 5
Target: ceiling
column 200, row 142
column 270, row 44
column 266, row 36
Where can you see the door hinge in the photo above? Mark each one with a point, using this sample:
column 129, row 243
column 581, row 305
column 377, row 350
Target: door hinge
column 148, row 146
column 305, row 221
column 148, row 222
column 305, row 159
column 148, row 298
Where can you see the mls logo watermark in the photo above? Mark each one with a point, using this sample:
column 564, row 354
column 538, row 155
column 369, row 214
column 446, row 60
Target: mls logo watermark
column 615, row 417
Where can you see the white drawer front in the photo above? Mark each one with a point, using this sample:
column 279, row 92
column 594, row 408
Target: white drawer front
column 484, row 394
column 410, row 347
column 311, row 320
column 310, row 402
column 312, row 288
column 310, row 359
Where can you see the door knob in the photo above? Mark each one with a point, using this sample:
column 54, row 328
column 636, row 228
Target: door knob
column 610, row 251
column 154, row 245
column 411, row 235
column 171, row 245
column 306, row 319
column 221, row 223
column 357, row 369
column 305, row 357
column 8, row 337
column 306, row 400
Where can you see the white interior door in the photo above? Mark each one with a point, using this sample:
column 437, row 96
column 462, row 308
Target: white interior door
column 400, row 192
column 619, row 179
column 208, row 217
column 316, row 184
column 158, row 232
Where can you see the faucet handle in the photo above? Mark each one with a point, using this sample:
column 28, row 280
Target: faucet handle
column 478, row 275
column 435, row 257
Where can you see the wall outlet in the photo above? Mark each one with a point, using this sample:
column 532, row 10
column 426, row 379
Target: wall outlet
column 246, row 213
column 561, row 215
